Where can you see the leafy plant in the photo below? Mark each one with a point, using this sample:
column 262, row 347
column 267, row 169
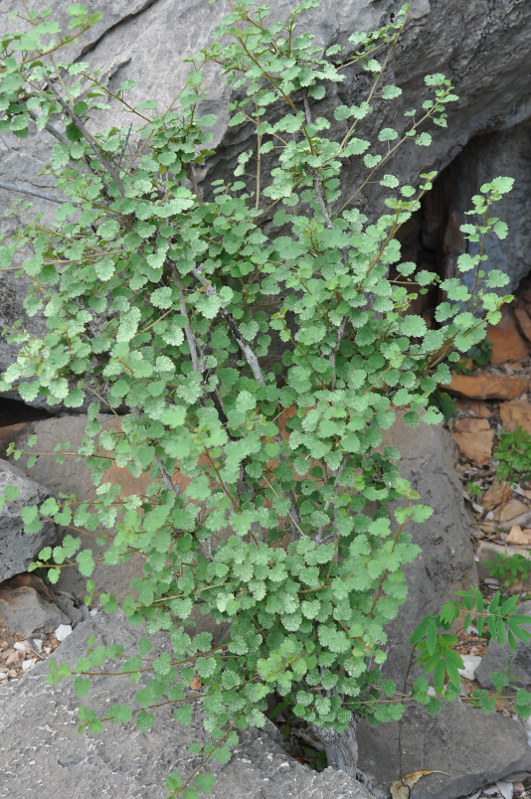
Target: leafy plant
column 497, row 620
column 514, row 456
column 305, row 749
column 444, row 402
column 509, row 569
column 514, row 460
column 250, row 343
column 473, row 489
column 478, row 355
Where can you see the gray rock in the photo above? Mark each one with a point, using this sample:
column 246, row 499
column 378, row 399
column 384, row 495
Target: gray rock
column 146, row 41
column 43, row 747
column 17, row 549
column 473, row 749
column 23, row 610
column 502, row 658
column 454, row 740
column 27, row 604
column 446, row 563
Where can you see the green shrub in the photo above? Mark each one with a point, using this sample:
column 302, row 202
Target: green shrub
column 248, row 331
column 514, row 457
column 509, row 569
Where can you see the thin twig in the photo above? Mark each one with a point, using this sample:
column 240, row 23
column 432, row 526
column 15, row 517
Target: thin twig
column 78, row 122
column 340, row 332
column 126, row 140
column 50, row 128
column 522, row 518
column 247, row 352
column 328, row 502
column 31, row 193
column 190, row 172
column 315, row 174
column 188, row 332
column 258, row 167
column 293, row 514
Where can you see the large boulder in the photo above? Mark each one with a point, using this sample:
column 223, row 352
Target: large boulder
column 18, row 550
column 465, row 749
column 483, row 50
column 43, row 747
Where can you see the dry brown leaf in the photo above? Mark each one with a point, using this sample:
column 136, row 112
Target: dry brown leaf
column 400, row 788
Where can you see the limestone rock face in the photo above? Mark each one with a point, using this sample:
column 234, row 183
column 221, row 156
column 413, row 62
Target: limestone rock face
column 482, row 46
column 43, row 747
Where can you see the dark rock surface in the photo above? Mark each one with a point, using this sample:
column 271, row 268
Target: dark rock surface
column 505, row 152
column 43, row 754
column 17, row 549
column 27, row 604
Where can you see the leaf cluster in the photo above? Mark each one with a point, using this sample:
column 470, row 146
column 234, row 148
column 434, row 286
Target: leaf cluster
column 514, row 456
column 433, row 638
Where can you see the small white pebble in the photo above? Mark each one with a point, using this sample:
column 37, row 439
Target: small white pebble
column 37, row 643
column 22, row 646
column 63, row 631
column 470, row 663
column 527, row 725
column 29, row 664
column 93, row 611
column 505, row 788
column 47, row 650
